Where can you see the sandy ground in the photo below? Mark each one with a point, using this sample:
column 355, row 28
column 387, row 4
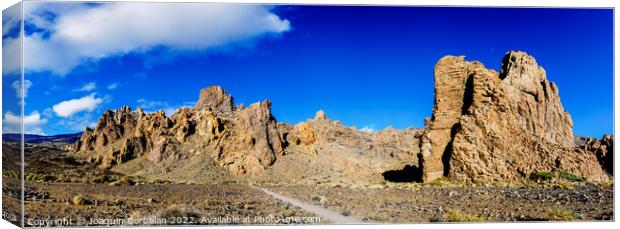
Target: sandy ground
column 331, row 216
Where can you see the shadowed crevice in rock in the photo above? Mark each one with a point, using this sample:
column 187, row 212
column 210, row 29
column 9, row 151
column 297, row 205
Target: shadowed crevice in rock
column 447, row 154
column 468, row 97
column 408, row 174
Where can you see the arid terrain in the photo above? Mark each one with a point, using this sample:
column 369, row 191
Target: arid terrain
column 498, row 147
column 111, row 197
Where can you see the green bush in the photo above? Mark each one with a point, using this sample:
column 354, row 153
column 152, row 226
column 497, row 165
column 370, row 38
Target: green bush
column 39, row 177
column 160, row 181
column 570, row 176
column 297, row 141
column 542, row 176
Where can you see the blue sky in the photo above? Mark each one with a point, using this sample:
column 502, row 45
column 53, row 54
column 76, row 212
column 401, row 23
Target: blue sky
column 365, row 66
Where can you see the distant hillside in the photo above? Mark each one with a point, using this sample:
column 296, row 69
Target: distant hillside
column 33, row 138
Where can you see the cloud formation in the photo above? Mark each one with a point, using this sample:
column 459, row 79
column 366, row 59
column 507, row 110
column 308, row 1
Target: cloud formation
column 85, row 33
column 70, row 107
column 18, row 88
column 88, row 87
column 152, row 106
column 11, row 45
column 368, row 128
column 33, row 123
column 78, row 122
column 112, row 86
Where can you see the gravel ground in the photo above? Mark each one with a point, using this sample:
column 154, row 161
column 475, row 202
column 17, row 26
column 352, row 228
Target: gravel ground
column 441, row 204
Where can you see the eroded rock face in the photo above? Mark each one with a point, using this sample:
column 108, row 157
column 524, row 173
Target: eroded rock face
column 324, row 150
column 490, row 126
column 253, row 140
column 244, row 140
column 215, row 98
column 603, row 149
column 535, row 101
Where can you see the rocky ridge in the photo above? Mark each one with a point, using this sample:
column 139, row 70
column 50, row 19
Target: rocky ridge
column 243, row 140
column 321, row 150
column 486, row 126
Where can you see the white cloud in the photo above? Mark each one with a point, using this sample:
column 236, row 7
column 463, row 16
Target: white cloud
column 368, row 128
column 78, row 122
column 11, row 18
column 18, row 89
column 11, row 55
column 112, row 86
column 88, row 33
column 33, row 123
column 11, row 46
column 67, row 108
column 87, row 87
column 152, row 106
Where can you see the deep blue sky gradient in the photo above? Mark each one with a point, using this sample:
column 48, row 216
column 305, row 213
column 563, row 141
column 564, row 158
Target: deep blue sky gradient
column 365, row 66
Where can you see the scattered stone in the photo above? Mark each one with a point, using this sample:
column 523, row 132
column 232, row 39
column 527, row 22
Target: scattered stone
column 345, row 212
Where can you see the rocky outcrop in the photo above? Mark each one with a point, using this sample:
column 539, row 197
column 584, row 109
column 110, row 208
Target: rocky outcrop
column 252, row 141
column 603, row 149
column 486, row 126
column 243, row 140
column 322, row 150
column 216, row 99
column 489, row 126
column 534, row 100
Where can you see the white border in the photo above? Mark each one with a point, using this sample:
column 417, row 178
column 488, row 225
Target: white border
column 485, row 3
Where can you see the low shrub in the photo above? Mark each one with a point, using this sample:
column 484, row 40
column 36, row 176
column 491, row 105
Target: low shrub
column 542, row 176
column 176, row 211
column 39, row 177
column 459, row 216
column 571, row 177
column 439, row 182
column 559, row 214
column 101, row 179
column 80, row 200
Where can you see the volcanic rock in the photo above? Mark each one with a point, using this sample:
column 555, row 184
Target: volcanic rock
column 216, row 99
column 489, row 126
column 603, row 149
column 243, row 140
column 321, row 150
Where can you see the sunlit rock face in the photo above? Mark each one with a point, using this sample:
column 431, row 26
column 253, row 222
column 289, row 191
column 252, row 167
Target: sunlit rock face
column 243, row 140
column 490, row 126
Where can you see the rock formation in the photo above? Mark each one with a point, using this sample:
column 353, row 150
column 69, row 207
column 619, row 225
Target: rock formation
column 244, row 140
column 489, row 126
column 603, row 149
column 322, row 150
column 486, row 126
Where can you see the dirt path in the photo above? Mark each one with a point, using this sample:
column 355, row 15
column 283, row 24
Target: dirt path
column 326, row 214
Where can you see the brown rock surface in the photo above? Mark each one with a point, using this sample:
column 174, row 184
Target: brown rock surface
column 243, row 140
column 215, row 98
column 494, row 127
column 603, row 149
column 321, row 150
